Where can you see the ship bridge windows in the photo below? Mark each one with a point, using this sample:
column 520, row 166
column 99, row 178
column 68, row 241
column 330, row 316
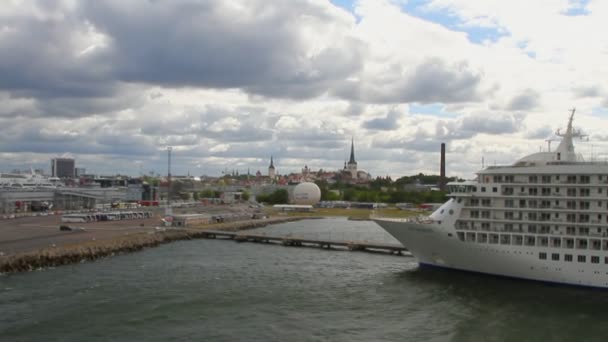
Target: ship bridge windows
column 569, row 243
column 505, row 239
column 482, row 238
column 555, row 256
column 571, row 179
column 583, row 230
column 545, row 179
column 584, row 179
column 584, row 205
column 470, row 237
column 570, row 217
column 509, row 179
column 474, row 202
column 582, row 258
column 568, row 257
column 545, row 191
column 533, row 191
column 533, row 179
column 571, row 230
column 461, row 188
column 486, row 202
column 581, row 243
column 596, row 244
column 485, row 214
column 530, row 240
column 543, row 241
column 518, row 240
column 507, row 191
column 497, row 178
column 571, row 192
column 595, row 259
column 584, row 192
column 556, row 242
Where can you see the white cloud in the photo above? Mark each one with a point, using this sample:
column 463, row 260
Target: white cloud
column 230, row 83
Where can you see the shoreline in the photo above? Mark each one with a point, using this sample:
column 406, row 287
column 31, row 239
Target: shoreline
column 133, row 242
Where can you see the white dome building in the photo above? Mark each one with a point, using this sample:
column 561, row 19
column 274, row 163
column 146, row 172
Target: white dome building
column 306, row 193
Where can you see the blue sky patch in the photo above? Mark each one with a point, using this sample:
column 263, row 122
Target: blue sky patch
column 577, row 7
column 417, row 8
column 599, row 111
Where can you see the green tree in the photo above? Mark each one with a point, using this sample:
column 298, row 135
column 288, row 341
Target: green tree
column 245, row 196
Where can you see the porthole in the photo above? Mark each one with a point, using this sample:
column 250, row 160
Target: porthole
column 441, row 212
column 451, row 212
column 459, row 200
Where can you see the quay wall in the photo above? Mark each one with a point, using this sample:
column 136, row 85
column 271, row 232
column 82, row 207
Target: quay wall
column 93, row 250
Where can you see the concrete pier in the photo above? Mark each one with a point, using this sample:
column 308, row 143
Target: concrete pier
column 294, row 241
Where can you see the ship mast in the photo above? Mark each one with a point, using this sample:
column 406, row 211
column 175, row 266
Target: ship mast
column 565, row 150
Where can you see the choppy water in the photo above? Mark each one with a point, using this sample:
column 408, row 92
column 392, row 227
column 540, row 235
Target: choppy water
column 210, row 290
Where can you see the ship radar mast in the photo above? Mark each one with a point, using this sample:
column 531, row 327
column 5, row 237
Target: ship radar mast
column 565, row 150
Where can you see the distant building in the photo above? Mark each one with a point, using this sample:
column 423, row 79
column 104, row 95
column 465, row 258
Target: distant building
column 80, row 171
column 350, row 171
column 271, row 170
column 63, row 167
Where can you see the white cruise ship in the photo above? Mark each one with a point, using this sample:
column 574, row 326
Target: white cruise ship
column 543, row 218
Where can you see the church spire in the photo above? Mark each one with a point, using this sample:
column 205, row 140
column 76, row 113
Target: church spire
column 352, row 152
column 271, row 163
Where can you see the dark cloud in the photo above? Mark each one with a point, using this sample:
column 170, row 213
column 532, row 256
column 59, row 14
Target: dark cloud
column 527, row 100
column 41, row 59
column 430, row 82
column 260, row 47
column 387, row 123
column 539, row 133
column 490, row 124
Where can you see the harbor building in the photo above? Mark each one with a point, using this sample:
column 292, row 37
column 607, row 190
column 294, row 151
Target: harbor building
column 63, row 167
column 271, row 170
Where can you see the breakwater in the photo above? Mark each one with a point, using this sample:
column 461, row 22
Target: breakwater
column 96, row 249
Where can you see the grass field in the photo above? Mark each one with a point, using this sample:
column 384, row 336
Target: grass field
column 352, row 213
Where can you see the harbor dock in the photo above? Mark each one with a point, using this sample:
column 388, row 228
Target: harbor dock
column 295, row 241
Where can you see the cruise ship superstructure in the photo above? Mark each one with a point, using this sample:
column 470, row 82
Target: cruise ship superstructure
column 543, row 218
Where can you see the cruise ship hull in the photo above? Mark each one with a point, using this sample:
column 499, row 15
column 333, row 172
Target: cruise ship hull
column 434, row 245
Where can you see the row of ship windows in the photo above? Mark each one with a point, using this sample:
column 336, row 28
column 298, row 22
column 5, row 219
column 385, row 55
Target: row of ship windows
column 572, row 192
column 570, row 258
column 569, row 179
column 519, row 240
column 532, row 228
column 535, row 204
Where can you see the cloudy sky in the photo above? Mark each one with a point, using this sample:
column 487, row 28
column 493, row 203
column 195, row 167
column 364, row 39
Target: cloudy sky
column 112, row 83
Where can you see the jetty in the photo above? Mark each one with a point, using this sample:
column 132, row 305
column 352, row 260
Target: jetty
column 295, row 241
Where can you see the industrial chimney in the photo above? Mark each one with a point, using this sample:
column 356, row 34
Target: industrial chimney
column 442, row 179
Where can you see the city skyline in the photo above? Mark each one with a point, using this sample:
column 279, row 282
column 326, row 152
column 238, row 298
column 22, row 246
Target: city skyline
column 226, row 85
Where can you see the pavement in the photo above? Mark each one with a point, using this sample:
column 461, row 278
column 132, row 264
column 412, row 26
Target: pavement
column 25, row 234
column 31, row 233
